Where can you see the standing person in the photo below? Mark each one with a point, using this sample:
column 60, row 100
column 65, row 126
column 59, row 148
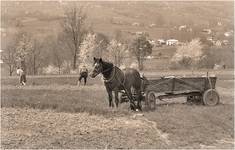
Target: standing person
column 22, row 75
column 83, row 72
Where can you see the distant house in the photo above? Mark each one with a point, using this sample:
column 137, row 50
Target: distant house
column 152, row 42
column 225, row 42
column 210, row 38
column 227, row 34
column 172, row 42
column 217, row 43
column 219, row 23
column 182, row 27
column 139, row 33
column 161, row 42
column 152, row 25
column 207, row 31
column 135, row 24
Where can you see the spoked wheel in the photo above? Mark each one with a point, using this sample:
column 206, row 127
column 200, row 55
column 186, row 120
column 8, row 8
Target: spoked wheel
column 150, row 100
column 211, row 97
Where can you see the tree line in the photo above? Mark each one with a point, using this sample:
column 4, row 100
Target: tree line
column 74, row 45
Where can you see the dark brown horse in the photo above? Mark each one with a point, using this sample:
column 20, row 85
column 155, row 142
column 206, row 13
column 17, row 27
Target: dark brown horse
column 116, row 80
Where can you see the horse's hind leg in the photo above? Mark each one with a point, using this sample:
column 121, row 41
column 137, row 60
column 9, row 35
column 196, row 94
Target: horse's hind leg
column 132, row 103
column 116, row 98
column 139, row 98
column 85, row 79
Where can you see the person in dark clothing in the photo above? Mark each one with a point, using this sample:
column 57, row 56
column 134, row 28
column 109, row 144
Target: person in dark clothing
column 83, row 72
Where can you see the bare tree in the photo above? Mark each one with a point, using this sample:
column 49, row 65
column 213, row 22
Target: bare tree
column 140, row 48
column 17, row 49
column 57, row 58
column 102, row 42
column 188, row 55
column 116, row 51
column 35, row 56
column 55, row 53
column 74, row 30
column 8, row 57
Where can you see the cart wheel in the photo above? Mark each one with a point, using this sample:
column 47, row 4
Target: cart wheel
column 150, row 100
column 211, row 97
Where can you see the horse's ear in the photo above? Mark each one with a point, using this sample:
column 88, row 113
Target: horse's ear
column 94, row 58
column 101, row 60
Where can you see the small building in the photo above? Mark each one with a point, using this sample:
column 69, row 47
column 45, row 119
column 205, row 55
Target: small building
column 139, row 33
column 209, row 38
column 207, row 31
column 135, row 24
column 152, row 42
column 172, row 42
column 225, row 42
column 227, row 34
column 152, row 25
column 219, row 23
column 161, row 42
column 182, row 27
column 217, row 43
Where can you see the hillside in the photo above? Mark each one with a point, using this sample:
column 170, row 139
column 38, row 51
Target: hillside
column 43, row 18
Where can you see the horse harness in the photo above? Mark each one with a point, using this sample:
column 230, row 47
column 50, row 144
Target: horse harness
column 113, row 74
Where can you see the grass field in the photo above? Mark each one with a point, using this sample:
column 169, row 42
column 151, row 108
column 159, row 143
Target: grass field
column 52, row 112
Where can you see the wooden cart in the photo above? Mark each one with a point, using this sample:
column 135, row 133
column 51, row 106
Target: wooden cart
column 201, row 89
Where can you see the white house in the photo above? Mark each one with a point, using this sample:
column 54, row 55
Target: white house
column 219, row 23
column 135, row 24
column 225, row 42
column 182, row 27
column 172, row 42
column 217, row 43
column 207, row 31
column 210, row 38
column 227, row 34
column 152, row 25
column 152, row 42
column 161, row 41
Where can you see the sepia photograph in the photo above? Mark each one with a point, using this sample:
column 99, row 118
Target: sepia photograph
column 117, row 74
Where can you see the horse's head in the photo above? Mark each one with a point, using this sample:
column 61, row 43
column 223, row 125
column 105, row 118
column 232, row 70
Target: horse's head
column 98, row 67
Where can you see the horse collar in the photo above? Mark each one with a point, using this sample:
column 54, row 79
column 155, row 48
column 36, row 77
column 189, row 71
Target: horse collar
column 112, row 75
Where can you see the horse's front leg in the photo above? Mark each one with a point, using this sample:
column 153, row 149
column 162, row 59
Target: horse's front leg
column 110, row 98
column 116, row 97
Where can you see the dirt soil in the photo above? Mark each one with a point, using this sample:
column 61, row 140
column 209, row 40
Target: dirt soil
column 30, row 128
column 34, row 128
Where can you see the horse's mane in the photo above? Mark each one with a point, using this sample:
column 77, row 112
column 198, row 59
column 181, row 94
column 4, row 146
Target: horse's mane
column 107, row 64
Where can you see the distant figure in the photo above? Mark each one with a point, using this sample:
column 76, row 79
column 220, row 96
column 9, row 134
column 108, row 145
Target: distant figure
column 22, row 75
column 83, row 74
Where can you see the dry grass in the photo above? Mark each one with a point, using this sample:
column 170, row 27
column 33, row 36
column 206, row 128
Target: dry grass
column 186, row 126
column 64, row 98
